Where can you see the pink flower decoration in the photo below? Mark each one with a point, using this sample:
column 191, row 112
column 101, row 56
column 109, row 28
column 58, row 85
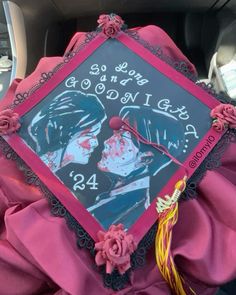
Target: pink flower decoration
column 110, row 24
column 114, row 249
column 218, row 125
column 118, row 20
column 226, row 113
column 110, row 29
column 103, row 19
column 9, row 122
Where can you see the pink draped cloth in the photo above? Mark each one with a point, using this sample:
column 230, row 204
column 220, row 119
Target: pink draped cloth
column 38, row 252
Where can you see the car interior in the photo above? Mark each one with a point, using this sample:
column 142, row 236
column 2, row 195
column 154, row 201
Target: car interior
column 205, row 30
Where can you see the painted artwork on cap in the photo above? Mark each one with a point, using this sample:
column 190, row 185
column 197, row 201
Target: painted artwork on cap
column 115, row 174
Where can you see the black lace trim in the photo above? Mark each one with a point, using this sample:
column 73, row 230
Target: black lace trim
column 116, row 281
column 221, row 96
column 211, row 162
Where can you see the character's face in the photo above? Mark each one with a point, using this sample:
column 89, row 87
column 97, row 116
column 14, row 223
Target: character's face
column 120, row 156
column 82, row 145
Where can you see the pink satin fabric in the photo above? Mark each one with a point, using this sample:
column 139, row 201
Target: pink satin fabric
column 38, row 252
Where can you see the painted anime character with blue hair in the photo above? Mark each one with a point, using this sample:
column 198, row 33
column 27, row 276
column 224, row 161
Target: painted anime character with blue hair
column 65, row 131
column 130, row 164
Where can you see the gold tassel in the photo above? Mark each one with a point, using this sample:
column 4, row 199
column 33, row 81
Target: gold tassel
column 168, row 215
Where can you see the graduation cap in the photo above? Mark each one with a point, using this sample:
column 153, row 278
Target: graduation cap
column 114, row 136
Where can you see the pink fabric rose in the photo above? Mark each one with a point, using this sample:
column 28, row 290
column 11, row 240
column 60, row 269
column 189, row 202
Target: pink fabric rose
column 103, row 19
column 114, row 249
column 110, row 29
column 110, row 24
column 118, row 20
column 226, row 113
column 9, row 122
column 218, row 125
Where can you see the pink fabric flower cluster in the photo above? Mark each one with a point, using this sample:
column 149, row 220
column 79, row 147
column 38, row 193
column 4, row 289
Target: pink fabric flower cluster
column 114, row 249
column 224, row 116
column 9, row 122
column 110, row 24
